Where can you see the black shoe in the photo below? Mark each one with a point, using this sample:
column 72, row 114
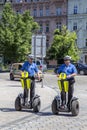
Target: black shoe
column 68, row 106
column 30, row 104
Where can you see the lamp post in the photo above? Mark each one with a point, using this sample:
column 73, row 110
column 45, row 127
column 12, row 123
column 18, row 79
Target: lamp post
column 42, row 56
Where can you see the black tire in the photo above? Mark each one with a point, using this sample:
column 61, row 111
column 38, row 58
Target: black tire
column 11, row 77
column 36, row 104
column 75, row 108
column 17, row 104
column 40, row 80
column 54, row 107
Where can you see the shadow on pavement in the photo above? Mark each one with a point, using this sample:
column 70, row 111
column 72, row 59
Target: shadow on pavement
column 12, row 80
column 7, row 109
column 13, row 86
column 13, row 110
column 39, row 113
column 51, row 114
column 44, row 114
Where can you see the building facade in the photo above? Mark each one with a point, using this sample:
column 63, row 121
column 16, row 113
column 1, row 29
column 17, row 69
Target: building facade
column 77, row 21
column 50, row 14
column 2, row 2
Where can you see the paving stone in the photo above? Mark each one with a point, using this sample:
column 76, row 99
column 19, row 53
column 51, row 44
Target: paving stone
column 45, row 120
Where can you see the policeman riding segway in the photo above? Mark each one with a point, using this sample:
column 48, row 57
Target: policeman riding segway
column 28, row 83
column 65, row 102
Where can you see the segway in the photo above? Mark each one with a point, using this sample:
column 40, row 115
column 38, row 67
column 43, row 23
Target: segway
column 22, row 100
column 73, row 106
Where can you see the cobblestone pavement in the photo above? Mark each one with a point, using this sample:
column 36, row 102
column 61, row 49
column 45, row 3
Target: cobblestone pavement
column 44, row 120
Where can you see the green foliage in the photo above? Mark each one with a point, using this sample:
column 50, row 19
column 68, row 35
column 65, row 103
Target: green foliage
column 64, row 43
column 15, row 34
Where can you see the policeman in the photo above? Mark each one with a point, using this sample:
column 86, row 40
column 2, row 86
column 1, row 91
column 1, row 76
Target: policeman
column 30, row 67
column 70, row 70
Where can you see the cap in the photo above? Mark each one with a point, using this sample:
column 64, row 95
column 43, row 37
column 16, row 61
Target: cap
column 30, row 56
column 67, row 58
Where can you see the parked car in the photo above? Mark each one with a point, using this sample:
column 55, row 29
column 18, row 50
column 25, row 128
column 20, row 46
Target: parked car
column 15, row 71
column 40, row 65
column 81, row 68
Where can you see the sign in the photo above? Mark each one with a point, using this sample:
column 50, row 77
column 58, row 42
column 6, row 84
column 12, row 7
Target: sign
column 39, row 45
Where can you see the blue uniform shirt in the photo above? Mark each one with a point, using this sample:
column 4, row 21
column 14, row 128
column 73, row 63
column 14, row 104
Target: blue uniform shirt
column 30, row 68
column 70, row 69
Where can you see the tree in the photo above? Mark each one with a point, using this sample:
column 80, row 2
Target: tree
column 64, row 43
column 15, row 34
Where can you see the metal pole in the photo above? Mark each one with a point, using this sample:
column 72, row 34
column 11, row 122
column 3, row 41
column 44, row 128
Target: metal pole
column 35, row 48
column 42, row 57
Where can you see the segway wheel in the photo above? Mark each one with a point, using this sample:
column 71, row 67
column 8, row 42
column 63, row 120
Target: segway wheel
column 54, row 107
column 75, row 108
column 11, row 77
column 36, row 104
column 17, row 104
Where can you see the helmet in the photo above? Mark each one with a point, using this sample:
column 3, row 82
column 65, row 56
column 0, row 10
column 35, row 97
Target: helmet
column 67, row 58
column 30, row 56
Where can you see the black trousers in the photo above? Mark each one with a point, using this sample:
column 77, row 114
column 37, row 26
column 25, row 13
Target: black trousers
column 70, row 93
column 32, row 91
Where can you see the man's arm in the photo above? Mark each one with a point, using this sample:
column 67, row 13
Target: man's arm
column 37, row 71
column 74, row 72
column 71, row 75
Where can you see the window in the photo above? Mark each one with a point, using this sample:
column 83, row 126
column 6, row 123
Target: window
column 86, row 25
column 75, row 26
column 86, row 59
column 37, row 62
column 35, row 0
column 34, row 12
column 41, row 12
column 47, row 11
column 86, row 42
column 18, row 1
column 41, row 27
column 19, row 67
column 58, row 25
column 27, row 0
column 86, row 10
column 47, row 27
column 76, row 41
column 19, row 12
column 47, row 42
column 75, row 9
column 58, row 11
